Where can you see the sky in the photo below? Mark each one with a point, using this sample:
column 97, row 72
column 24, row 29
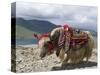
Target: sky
column 74, row 15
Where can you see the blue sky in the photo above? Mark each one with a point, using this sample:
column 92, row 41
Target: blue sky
column 77, row 16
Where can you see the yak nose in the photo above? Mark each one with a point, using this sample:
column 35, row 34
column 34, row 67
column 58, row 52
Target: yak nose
column 42, row 55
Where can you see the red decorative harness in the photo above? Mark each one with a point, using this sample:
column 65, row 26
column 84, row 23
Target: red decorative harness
column 50, row 47
column 73, row 41
column 79, row 41
column 40, row 36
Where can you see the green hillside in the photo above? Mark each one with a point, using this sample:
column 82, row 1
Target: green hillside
column 22, row 32
column 40, row 26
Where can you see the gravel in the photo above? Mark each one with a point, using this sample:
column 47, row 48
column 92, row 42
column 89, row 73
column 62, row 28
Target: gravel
column 28, row 60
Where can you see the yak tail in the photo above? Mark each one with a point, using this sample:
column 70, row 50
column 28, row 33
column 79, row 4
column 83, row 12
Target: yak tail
column 92, row 41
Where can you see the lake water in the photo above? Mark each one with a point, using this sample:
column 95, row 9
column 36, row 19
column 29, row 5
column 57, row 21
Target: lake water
column 34, row 41
column 26, row 41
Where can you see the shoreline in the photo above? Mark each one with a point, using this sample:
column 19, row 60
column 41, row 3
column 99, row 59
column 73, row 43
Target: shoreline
column 28, row 45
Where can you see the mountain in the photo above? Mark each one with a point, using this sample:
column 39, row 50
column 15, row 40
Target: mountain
column 26, row 28
column 22, row 32
column 39, row 26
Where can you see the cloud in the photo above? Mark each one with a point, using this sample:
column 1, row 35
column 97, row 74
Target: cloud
column 58, row 14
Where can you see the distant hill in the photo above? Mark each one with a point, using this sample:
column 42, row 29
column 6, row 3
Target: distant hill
column 23, row 33
column 39, row 26
column 26, row 28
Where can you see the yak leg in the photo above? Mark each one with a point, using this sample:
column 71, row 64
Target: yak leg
column 66, row 57
column 65, row 61
column 87, row 59
column 57, row 52
column 61, row 54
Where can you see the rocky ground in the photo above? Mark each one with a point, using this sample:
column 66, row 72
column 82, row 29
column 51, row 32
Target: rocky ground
column 28, row 60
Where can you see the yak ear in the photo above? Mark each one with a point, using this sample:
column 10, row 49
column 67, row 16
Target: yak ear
column 36, row 36
column 57, row 52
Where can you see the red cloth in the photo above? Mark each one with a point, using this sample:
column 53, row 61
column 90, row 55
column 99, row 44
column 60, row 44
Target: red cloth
column 63, row 33
column 40, row 36
column 79, row 41
column 66, row 26
column 70, row 29
column 50, row 47
column 61, row 39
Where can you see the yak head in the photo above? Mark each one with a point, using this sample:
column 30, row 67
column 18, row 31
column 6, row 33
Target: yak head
column 44, row 43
